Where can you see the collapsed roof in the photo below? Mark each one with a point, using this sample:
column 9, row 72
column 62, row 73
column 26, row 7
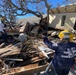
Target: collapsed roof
column 64, row 9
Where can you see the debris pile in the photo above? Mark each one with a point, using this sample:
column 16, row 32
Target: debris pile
column 29, row 54
column 30, row 50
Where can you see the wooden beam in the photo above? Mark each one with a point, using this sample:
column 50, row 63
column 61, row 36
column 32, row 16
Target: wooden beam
column 29, row 71
column 52, row 11
column 66, row 9
column 57, row 10
column 12, row 59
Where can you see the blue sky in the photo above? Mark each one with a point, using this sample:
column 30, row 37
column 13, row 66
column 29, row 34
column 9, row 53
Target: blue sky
column 53, row 2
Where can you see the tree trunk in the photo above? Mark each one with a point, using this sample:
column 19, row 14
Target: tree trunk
column 47, row 18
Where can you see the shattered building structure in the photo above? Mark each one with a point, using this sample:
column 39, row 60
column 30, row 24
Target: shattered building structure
column 63, row 17
column 31, row 56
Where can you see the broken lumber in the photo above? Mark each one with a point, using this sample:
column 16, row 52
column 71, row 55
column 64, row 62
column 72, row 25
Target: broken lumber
column 13, row 59
column 29, row 71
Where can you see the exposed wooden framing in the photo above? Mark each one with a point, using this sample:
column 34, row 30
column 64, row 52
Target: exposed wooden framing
column 75, row 9
column 57, row 10
column 52, row 11
column 66, row 9
column 13, row 59
column 30, row 71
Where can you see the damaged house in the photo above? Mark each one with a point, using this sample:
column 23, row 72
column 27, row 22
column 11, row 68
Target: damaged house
column 32, row 24
column 30, row 56
column 63, row 17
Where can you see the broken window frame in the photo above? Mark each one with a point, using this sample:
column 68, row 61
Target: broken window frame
column 63, row 20
column 74, row 27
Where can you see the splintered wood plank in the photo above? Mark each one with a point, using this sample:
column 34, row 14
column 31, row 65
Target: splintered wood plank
column 9, row 50
column 28, row 70
column 22, row 28
column 35, row 29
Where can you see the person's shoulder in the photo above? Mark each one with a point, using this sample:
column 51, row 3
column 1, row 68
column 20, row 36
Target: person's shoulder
column 73, row 43
column 59, row 43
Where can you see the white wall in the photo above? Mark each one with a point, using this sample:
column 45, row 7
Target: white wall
column 56, row 19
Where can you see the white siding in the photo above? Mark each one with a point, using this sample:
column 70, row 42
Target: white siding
column 56, row 19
